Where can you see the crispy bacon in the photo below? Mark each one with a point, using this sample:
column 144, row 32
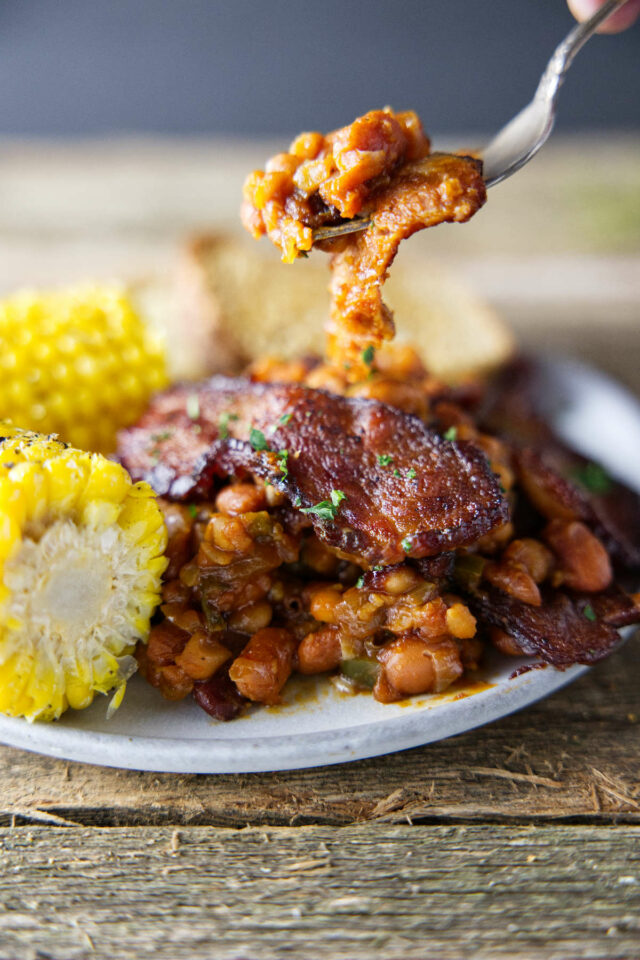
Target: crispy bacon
column 557, row 480
column 407, row 492
column 565, row 629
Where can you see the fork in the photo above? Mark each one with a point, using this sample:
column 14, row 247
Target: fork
column 521, row 138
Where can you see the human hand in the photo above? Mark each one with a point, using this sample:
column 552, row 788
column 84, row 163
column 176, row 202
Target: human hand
column 583, row 9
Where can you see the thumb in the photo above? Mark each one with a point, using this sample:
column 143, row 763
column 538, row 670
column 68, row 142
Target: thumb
column 623, row 18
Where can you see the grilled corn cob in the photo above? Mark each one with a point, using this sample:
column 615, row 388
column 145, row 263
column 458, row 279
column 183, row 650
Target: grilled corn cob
column 80, row 363
column 81, row 559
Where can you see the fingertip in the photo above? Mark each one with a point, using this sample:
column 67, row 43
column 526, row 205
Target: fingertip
column 620, row 20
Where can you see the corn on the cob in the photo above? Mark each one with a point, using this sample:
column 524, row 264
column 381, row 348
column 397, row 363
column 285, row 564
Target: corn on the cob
column 80, row 363
column 81, row 560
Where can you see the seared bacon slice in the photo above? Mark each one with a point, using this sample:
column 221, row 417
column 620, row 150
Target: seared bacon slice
column 557, row 480
column 565, row 629
column 377, row 483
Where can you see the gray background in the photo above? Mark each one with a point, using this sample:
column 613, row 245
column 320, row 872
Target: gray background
column 247, row 67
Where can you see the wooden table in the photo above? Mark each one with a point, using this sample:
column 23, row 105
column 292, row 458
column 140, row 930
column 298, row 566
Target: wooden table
column 520, row 839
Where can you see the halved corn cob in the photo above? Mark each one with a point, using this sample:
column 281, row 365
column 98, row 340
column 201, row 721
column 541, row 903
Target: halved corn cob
column 80, row 362
column 81, row 560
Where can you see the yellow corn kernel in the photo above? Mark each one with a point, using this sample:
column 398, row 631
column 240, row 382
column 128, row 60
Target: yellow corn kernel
column 80, row 363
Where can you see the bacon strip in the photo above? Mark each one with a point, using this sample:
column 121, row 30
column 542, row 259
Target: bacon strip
column 407, row 492
column 565, row 629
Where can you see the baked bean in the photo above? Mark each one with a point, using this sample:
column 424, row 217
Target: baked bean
column 173, row 591
column 241, row 498
column 184, row 617
column 202, row 656
column 174, row 684
column 505, row 642
column 584, row 562
column 513, row 579
column 461, row 623
column 400, row 580
column 402, row 395
column 400, row 361
column 228, row 533
column 166, row 641
column 264, row 666
column 408, row 666
column 532, row 555
column 324, row 604
column 320, row 558
column 319, row 651
column 251, row 618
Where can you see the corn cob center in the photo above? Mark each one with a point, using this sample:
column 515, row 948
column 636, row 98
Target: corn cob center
column 69, row 585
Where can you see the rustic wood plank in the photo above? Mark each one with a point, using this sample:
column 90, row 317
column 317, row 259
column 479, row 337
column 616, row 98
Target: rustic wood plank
column 572, row 756
column 370, row 891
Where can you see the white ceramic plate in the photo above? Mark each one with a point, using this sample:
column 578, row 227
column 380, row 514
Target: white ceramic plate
column 317, row 724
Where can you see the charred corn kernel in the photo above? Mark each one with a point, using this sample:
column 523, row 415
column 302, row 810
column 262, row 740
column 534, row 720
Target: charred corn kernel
column 81, row 561
column 78, row 362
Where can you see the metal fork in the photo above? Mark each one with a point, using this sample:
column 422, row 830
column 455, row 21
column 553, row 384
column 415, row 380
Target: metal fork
column 520, row 139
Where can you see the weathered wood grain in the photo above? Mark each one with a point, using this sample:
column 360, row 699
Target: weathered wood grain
column 369, row 891
column 573, row 756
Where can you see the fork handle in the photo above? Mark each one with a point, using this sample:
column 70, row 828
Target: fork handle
column 563, row 55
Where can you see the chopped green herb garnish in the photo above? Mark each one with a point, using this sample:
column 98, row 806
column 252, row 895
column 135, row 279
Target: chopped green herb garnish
column 397, row 473
column 159, row 437
column 327, row 509
column 368, row 354
column 360, row 581
column 257, row 439
column 298, row 501
column 223, row 424
column 377, row 568
column 283, row 463
column 385, row 459
column 451, row 433
column 406, row 544
column 280, row 422
column 193, row 510
column 411, row 474
column 193, row 406
column 589, row 613
column 593, row 478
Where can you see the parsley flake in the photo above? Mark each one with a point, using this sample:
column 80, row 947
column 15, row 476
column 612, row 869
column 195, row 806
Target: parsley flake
column 397, row 473
column 193, row 510
column 193, row 406
column 377, row 568
column 589, row 613
column 280, row 422
column 411, row 474
column 283, row 463
column 258, row 440
column 298, row 501
column 159, row 437
column 360, row 581
column 451, row 433
column 593, row 478
column 406, row 544
column 223, row 424
column 368, row 354
column 327, row 509
column 385, row 459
